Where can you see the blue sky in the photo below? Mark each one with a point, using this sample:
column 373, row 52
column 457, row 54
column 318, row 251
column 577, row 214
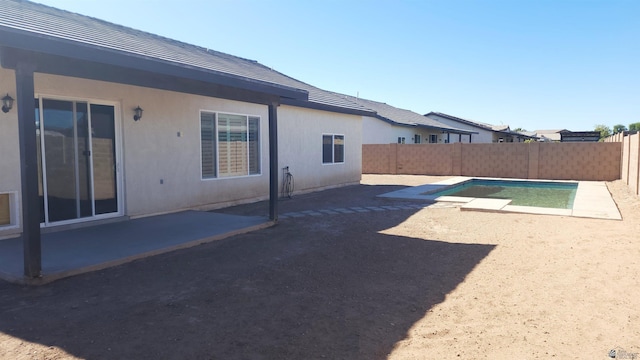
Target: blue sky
column 535, row 64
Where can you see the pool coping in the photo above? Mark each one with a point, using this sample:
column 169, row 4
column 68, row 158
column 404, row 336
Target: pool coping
column 592, row 199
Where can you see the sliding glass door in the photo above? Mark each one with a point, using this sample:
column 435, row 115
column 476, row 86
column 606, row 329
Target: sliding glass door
column 77, row 173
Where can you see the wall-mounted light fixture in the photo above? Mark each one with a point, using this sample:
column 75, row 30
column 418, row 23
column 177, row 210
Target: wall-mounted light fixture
column 138, row 113
column 7, row 103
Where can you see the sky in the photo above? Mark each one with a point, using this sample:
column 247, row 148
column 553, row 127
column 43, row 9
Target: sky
column 530, row 64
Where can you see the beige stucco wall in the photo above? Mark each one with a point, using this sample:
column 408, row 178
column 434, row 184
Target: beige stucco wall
column 300, row 147
column 9, row 164
column 165, row 145
column 153, row 151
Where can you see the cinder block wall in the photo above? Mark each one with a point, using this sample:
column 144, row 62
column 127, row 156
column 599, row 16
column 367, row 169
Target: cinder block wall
column 425, row 159
column 376, row 158
column 633, row 174
column 580, row 161
column 556, row 161
column 630, row 155
column 495, row 160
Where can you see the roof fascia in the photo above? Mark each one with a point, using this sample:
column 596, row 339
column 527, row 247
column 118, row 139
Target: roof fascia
column 452, row 131
column 86, row 52
column 324, row 107
column 471, row 123
column 445, row 130
column 56, row 65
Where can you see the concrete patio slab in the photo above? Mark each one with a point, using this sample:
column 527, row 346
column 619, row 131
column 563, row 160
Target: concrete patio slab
column 71, row 252
column 595, row 202
column 536, row 210
column 485, row 204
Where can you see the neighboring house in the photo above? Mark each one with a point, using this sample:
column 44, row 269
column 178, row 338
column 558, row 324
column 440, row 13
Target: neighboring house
column 487, row 133
column 564, row 135
column 550, row 135
column 393, row 125
column 580, row 136
column 215, row 129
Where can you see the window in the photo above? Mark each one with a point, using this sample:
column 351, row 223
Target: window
column 433, row 139
column 5, row 210
column 332, row 149
column 401, row 140
column 229, row 144
column 417, row 139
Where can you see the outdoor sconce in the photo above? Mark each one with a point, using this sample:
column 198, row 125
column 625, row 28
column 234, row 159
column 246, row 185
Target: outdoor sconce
column 7, row 103
column 138, row 113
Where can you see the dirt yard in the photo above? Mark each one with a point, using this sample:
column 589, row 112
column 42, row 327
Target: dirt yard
column 410, row 283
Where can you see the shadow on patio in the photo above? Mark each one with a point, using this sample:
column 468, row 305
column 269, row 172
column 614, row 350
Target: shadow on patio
column 71, row 252
column 324, row 287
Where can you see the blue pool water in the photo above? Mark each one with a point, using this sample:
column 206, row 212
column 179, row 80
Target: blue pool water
column 522, row 193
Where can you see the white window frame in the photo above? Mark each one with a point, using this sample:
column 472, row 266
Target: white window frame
column 333, row 155
column 119, row 167
column 401, row 140
column 217, row 149
column 14, row 209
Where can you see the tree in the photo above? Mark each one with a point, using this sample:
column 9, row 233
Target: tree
column 519, row 129
column 634, row 126
column 619, row 128
column 604, row 131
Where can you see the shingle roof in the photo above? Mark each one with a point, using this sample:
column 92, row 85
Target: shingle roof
column 401, row 116
column 497, row 128
column 60, row 25
column 470, row 122
column 553, row 131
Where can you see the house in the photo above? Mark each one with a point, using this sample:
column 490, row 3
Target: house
column 550, row 135
column 564, row 135
column 389, row 124
column 487, row 133
column 580, row 136
column 111, row 122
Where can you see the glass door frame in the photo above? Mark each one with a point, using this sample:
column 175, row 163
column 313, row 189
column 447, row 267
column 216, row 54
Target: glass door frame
column 118, row 158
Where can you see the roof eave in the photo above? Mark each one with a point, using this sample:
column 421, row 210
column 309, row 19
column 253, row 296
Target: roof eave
column 28, row 41
column 447, row 130
column 325, row 107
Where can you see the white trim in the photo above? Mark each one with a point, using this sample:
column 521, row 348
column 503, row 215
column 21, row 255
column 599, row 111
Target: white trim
column 43, row 161
column 344, row 155
column 14, row 211
column 217, row 176
column 119, row 176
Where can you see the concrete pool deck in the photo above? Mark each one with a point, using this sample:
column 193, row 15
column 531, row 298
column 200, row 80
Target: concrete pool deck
column 592, row 200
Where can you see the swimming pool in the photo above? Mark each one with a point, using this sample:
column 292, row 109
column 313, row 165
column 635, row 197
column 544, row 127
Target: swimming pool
column 558, row 195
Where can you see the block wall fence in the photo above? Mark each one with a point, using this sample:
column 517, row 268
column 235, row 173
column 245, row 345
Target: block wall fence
column 554, row 161
column 630, row 158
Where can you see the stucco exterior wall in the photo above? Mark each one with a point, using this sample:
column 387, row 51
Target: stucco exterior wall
column 160, row 154
column 160, row 160
column 9, row 164
column 300, row 133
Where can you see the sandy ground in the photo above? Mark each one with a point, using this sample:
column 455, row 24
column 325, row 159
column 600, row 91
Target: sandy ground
column 435, row 283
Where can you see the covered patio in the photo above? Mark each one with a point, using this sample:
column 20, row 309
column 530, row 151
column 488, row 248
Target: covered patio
column 75, row 251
